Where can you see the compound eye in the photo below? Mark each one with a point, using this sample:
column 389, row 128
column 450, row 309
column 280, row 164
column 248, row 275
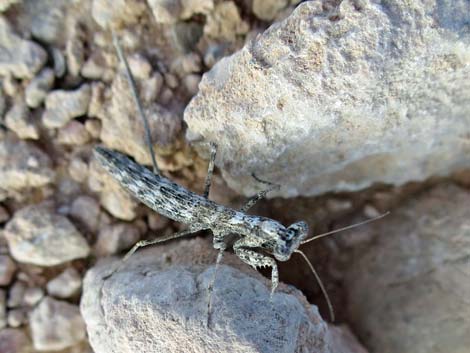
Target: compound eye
column 290, row 234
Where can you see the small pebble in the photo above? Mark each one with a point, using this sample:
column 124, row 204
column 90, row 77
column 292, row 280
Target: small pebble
column 16, row 294
column 151, row 87
column 370, row 211
column 171, row 80
column 4, row 215
column 18, row 119
column 156, row 221
column 191, row 83
column 95, row 66
column 16, row 317
column 7, row 270
column 86, row 210
column 3, row 309
column 59, row 62
column 336, row 205
column 93, row 126
column 13, row 340
column 116, row 237
column 140, row 67
column 78, row 170
column 62, row 106
column 74, row 133
column 32, row 296
column 66, row 284
column 56, row 325
column 36, row 90
column 38, row 235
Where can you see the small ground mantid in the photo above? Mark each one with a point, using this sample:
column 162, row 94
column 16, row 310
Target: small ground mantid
column 260, row 240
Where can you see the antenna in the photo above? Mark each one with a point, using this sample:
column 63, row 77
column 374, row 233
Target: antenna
column 138, row 103
column 345, row 228
column 320, row 283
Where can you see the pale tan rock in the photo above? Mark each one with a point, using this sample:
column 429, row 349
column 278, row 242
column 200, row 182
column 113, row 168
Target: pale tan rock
column 116, row 13
column 23, row 165
column 36, row 91
column 4, row 215
column 268, row 10
column 19, row 120
column 122, row 127
column 78, row 170
column 62, row 106
column 73, row 133
column 65, row 285
column 170, row 12
column 7, row 270
column 5, row 4
column 47, row 20
column 16, row 294
column 114, row 238
column 32, row 296
column 339, row 98
column 37, row 235
column 56, row 325
column 75, row 49
column 225, row 22
column 14, row 340
column 17, row 317
column 19, row 57
column 113, row 197
column 86, row 210
column 3, row 310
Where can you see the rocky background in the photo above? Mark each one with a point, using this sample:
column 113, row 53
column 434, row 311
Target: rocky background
column 353, row 107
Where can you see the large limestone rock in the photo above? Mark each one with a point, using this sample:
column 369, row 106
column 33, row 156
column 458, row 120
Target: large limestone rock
column 338, row 99
column 158, row 303
column 408, row 284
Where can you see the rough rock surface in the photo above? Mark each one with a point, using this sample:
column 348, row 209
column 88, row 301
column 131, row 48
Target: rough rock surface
column 56, row 325
column 3, row 309
column 37, row 89
column 14, row 341
column 268, row 9
column 338, row 99
column 115, row 13
column 16, row 294
column 37, row 235
column 18, row 57
column 5, row 4
column 62, row 106
column 114, row 238
column 122, row 127
column 7, row 269
column 167, row 306
column 112, row 196
column 172, row 11
column 32, row 296
column 408, row 285
column 19, row 120
column 65, row 285
column 23, row 165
